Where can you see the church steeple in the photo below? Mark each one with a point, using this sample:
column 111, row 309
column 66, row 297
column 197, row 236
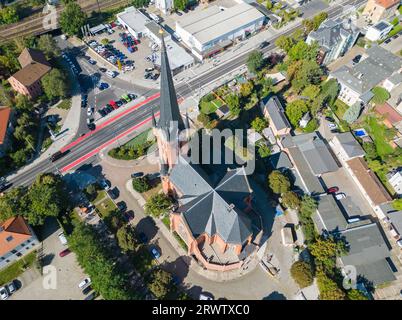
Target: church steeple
column 169, row 108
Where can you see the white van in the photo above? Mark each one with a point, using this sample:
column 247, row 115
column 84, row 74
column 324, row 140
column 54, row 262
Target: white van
column 111, row 74
column 62, row 238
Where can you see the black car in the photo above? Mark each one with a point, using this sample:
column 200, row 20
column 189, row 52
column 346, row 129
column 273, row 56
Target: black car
column 102, row 112
column 132, row 96
column 388, row 40
column 179, row 13
column 119, row 103
column 109, row 108
column 112, row 193
column 92, row 296
column 84, row 101
column 121, row 206
column 329, row 119
column 91, row 126
column 357, row 58
column 263, row 44
column 102, row 69
column 137, row 174
column 147, row 75
column 86, row 290
column 143, row 237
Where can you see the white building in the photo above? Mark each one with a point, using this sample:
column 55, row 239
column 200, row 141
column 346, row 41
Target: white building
column 165, row 6
column 395, row 180
column 133, row 21
column 211, row 30
column 379, row 31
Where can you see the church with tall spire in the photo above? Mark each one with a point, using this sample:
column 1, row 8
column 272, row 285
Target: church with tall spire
column 214, row 217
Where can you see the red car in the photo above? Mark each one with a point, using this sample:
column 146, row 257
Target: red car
column 333, row 190
column 113, row 104
column 64, row 252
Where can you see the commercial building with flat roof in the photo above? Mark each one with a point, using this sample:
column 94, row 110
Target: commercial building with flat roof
column 212, row 29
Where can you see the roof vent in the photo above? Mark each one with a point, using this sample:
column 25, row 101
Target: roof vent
column 360, row 75
column 1, row 228
column 231, row 207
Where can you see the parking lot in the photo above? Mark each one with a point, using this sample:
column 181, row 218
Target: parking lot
column 66, row 271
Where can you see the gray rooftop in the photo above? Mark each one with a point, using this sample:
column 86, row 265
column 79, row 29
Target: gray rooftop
column 331, row 32
column 367, row 252
column 350, row 145
column 369, row 72
column 329, row 216
column 213, row 208
column 280, row 160
column 350, row 208
column 212, row 22
column 273, row 106
column 315, row 152
column 134, row 19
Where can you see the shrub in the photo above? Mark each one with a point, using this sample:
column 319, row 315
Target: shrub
column 328, row 288
column 157, row 205
column 302, row 273
column 278, row 182
column 203, row 118
column 291, row 200
column 141, row 184
column 312, row 125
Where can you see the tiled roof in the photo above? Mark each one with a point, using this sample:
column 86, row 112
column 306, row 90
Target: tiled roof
column 31, row 73
column 371, row 184
column 389, row 113
column 387, row 3
column 13, row 232
column 4, row 118
column 29, row 56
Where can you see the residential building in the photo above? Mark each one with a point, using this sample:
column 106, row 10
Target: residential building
column 373, row 69
column 393, row 220
column 392, row 82
column 311, row 158
column 346, row 147
column 27, row 80
column 305, row 120
column 390, row 117
column 334, row 37
column 273, row 110
column 377, row 10
column 378, row 31
column 16, row 239
column 211, row 30
column 214, row 217
column 165, row 6
column 6, row 128
column 395, row 180
column 368, row 183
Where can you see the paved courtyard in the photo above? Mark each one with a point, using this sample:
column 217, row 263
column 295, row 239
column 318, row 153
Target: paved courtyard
column 67, row 272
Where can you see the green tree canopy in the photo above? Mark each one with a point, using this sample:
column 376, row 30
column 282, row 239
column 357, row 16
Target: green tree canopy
column 380, row 95
column 302, row 273
column 141, row 184
column 157, row 205
column 140, row 3
column 325, row 251
column 303, row 73
column 291, row 200
column 278, row 182
column 255, row 61
column 9, row 15
column 259, row 124
column 54, row 84
column 311, row 91
column 126, row 238
column 180, row 4
column 303, row 51
column 295, row 111
column 354, row 294
column 352, row 113
column 48, row 45
column 285, row 43
column 233, row 102
column 159, row 283
column 328, row 288
column 72, row 18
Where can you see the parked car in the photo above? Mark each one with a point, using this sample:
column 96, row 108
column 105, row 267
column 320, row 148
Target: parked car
column 332, row 125
column 92, row 61
column 399, row 243
column 119, row 103
column 62, row 238
column 330, row 119
column 90, row 111
column 147, row 75
column 87, row 289
column 143, row 237
column 149, row 69
column 64, row 252
column 357, row 58
column 84, row 101
column 129, row 215
column 340, row 196
column 11, row 287
column 155, row 76
column 102, row 70
column 263, row 44
column 3, row 293
column 102, row 112
column 205, row 297
column 132, row 96
column 388, row 40
column 112, row 193
column 111, row 74
column 332, row 190
column 84, row 283
column 91, row 296
column 121, row 206
column 91, row 126
column 155, row 253
column 105, row 185
column 179, row 13
column 137, row 175
column 103, row 85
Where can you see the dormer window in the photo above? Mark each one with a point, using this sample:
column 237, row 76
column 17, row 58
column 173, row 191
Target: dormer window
column 9, row 238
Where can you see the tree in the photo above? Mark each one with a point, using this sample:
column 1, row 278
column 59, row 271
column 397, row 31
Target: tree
column 48, row 46
column 285, row 43
column 10, row 203
column 126, row 238
column 319, row 18
column 328, row 288
column 325, row 251
column 269, row 5
column 304, row 73
column 329, row 91
column 371, row 150
column 141, row 184
column 255, row 61
column 9, row 15
column 72, row 18
column 180, row 4
column 259, row 124
column 291, row 200
column 203, row 118
column 397, row 204
column 105, row 41
column 302, row 273
column 278, row 182
column 140, row 3
column 54, row 84
column 159, row 283
column 246, row 89
column 311, row 91
column 295, row 111
column 23, row 104
column 157, row 205
column 263, row 150
column 233, row 102
column 312, row 125
column 355, row 294
column 352, row 113
column 303, row 51
column 380, row 95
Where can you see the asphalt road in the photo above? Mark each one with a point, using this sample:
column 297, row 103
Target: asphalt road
column 98, row 138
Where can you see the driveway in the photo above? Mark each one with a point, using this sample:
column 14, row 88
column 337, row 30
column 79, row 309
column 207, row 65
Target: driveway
column 63, row 276
column 394, row 46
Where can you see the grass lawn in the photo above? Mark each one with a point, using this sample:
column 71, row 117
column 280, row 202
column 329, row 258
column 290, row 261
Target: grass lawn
column 106, row 207
column 180, row 241
column 151, row 192
column 100, row 196
column 141, row 139
column 143, row 260
column 340, row 108
column 378, row 132
column 166, row 221
column 18, row 267
column 210, row 107
column 65, row 104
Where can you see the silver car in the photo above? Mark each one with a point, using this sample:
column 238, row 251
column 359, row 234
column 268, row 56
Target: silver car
column 3, row 293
